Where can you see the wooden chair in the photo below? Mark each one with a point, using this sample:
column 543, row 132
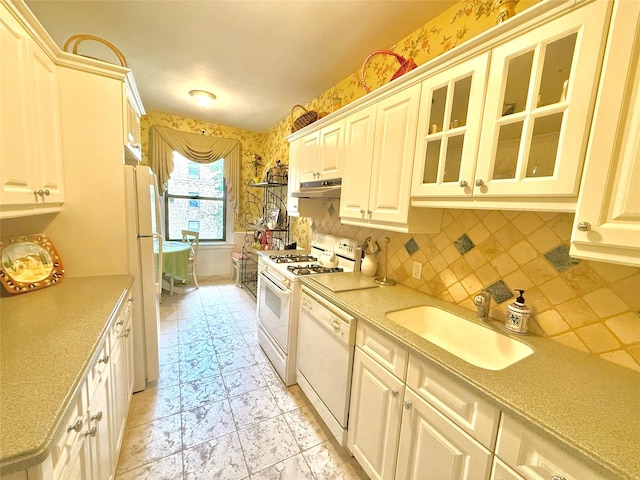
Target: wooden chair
column 193, row 239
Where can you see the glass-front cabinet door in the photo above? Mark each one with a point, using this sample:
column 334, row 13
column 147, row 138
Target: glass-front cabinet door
column 538, row 107
column 449, row 130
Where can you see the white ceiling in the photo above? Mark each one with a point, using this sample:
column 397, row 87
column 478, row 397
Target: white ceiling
column 259, row 57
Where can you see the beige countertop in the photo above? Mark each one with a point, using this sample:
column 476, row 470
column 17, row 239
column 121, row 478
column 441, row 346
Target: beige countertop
column 47, row 339
column 591, row 405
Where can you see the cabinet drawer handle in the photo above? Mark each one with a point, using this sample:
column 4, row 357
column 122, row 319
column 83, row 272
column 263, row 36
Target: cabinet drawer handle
column 104, row 359
column 76, row 426
column 407, row 404
column 97, row 417
column 558, row 477
column 479, row 182
column 463, row 183
column 394, row 393
column 584, row 226
column 92, row 432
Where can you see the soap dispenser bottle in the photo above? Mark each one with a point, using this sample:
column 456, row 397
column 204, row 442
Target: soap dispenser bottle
column 518, row 315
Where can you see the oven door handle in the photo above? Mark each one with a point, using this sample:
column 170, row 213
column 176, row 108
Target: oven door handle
column 283, row 288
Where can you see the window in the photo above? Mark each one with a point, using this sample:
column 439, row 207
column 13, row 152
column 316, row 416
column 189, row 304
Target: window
column 196, row 199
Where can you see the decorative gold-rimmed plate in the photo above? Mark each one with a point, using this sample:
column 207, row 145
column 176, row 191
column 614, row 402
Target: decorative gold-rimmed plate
column 29, row 262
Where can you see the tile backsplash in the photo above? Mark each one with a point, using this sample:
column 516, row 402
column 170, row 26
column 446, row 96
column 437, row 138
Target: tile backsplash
column 590, row 306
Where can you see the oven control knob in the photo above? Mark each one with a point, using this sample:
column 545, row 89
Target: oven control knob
column 335, row 323
column 286, row 282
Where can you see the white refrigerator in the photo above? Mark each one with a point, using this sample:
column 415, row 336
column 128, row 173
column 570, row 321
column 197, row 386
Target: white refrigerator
column 144, row 229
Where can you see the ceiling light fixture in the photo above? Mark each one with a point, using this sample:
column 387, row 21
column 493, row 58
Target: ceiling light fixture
column 204, row 98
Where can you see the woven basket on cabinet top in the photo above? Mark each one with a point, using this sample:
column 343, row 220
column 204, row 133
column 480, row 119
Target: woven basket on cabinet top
column 75, row 41
column 307, row 118
column 406, row 65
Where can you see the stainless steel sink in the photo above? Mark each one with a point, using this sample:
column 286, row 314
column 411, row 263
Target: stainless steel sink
column 472, row 342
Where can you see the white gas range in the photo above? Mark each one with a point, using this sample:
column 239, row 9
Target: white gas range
column 279, row 292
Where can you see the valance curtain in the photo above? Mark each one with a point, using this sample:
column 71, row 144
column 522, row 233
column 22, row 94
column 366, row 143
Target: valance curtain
column 197, row 148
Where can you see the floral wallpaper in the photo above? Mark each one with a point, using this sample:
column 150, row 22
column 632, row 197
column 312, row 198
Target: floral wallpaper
column 250, row 143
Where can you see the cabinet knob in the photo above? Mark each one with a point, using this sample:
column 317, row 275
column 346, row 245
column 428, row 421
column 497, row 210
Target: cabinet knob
column 369, row 212
column 463, row 183
column 92, row 432
column 97, row 417
column 121, row 322
column 127, row 332
column 42, row 193
column 558, row 477
column 407, row 404
column 75, row 426
column 104, row 359
column 362, row 212
column 584, row 226
column 479, row 182
column 394, row 393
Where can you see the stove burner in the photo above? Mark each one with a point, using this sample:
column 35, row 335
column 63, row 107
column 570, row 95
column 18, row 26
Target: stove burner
column 312, row 269
column 292, row 258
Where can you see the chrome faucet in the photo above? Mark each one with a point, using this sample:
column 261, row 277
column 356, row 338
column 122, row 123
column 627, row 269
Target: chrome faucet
column 482, row 300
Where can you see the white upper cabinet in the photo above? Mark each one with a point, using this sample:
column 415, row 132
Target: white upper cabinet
column 607, row 220
column 299, row 207
column 308, row 157
column 538, row 107
column 532, row 119
column 358, row 153
column 321, row 157
column 31, row 175
column 449, row 130
column 378, row 163
column 133, row 110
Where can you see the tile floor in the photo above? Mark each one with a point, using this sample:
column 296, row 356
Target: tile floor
column 219, row 410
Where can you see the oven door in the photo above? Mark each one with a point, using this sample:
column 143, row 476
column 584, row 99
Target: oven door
column 274, row 302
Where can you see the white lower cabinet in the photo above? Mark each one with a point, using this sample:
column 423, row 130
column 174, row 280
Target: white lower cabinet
column 395, row 433
column 122, row 374
column 433, row 448
column 98, row 432
column 533, row 457
column 89, row 436
column 374, row 423
column 501, row 471
column 411, row 420
column 68, row 453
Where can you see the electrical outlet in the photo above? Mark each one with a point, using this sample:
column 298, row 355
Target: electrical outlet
column 417, row 270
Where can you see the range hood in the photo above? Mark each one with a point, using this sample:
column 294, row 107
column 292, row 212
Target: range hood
column 319, row 189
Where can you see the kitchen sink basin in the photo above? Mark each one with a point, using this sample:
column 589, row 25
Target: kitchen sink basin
column 469, row 341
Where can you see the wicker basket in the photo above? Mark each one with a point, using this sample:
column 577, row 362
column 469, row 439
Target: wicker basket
column 307, row 118
column 75, row 41
column 406, row 65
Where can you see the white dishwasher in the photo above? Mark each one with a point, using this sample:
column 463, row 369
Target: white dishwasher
column 326, row 338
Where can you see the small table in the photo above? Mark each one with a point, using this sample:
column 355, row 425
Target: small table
column 175, row 261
